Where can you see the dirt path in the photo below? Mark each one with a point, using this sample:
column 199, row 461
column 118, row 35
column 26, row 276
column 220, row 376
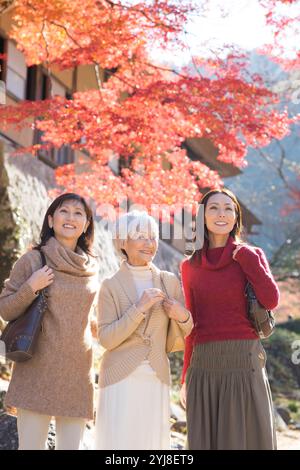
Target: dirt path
column 288, row 440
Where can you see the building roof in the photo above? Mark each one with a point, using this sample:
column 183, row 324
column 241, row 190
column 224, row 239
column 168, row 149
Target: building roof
column 203, row 150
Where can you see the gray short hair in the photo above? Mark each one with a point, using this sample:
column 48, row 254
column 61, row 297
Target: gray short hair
column 130, row 224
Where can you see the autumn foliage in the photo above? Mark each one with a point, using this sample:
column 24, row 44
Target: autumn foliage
column 283, row 16
column 144, row 111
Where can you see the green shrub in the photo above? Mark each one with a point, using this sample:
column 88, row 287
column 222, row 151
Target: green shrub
column 176, row 363
column 284, row 375
column 293, row 407
column 292, row 325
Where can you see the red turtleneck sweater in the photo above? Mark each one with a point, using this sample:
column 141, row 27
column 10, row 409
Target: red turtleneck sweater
column 214, row 292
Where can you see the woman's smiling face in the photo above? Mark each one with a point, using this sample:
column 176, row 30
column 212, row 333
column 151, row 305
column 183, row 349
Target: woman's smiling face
column 141, row 248
column 220, row 214
column 69, row 220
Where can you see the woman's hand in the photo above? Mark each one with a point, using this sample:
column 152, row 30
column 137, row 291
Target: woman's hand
column 183, row 395
column 149, row 298
column 41, row 278
column 175, row 310
column 237, row 249
column 94, row 329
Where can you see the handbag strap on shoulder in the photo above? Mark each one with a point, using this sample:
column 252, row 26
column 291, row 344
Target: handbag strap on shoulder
column 249, row 292
column 166, row 292
column 43, row 292
column 163, row 284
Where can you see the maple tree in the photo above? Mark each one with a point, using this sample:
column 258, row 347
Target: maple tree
column 285, row 26
column 145, row 110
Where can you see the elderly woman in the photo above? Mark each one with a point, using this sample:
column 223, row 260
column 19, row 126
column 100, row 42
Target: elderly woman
column 136, row 306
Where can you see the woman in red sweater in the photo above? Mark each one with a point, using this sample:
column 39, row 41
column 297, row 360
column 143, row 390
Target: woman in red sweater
column 225, row 386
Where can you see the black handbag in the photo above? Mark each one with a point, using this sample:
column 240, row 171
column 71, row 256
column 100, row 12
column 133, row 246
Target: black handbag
column 262, row 319
column 20, row 336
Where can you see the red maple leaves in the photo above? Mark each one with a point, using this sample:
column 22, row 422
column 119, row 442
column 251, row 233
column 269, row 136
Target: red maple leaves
column 284, row 22
column 143, row 112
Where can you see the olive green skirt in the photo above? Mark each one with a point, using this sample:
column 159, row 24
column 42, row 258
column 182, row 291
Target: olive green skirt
column 229, row 403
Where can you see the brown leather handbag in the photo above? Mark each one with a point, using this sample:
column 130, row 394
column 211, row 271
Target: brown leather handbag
column 175, row 336
column 262, row 319
column 20, row 336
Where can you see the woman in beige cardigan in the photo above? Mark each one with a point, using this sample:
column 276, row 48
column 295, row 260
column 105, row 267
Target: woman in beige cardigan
column 58, row 380
column 135, row 308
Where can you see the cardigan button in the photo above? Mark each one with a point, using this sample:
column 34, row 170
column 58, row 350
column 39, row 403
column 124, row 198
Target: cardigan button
column 147, row 340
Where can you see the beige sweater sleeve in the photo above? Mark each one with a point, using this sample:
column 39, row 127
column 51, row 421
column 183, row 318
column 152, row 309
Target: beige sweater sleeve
column 17, row 294
column 112, row 331
column 186, row 326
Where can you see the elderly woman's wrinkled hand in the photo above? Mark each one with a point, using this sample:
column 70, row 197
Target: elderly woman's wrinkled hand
column 175, row 310
column 149, row 298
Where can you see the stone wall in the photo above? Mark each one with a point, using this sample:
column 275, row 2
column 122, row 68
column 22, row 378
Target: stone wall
column 9, row 233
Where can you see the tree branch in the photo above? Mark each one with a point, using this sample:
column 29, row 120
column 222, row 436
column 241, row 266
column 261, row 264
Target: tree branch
column 6, row 5
column 47, row 61
column 278, row 169
column 131, row 7
column 166, row 69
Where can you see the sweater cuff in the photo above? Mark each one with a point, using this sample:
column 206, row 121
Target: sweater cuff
column 245, row 254
column 135, row 314
column 25, row 295
column 187, row 325
column 22, row 299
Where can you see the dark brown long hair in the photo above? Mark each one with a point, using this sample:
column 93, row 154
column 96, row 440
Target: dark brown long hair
column 238, row 226
column 85, row 241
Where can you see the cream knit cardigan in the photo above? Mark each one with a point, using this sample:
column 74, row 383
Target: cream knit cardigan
column 58, row 380
column 121, row 327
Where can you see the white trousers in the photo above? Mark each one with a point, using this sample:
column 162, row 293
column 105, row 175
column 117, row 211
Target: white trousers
column 33, row 431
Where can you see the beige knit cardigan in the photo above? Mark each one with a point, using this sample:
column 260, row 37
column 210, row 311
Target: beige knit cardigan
column 121, row 327
column 58, row 380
